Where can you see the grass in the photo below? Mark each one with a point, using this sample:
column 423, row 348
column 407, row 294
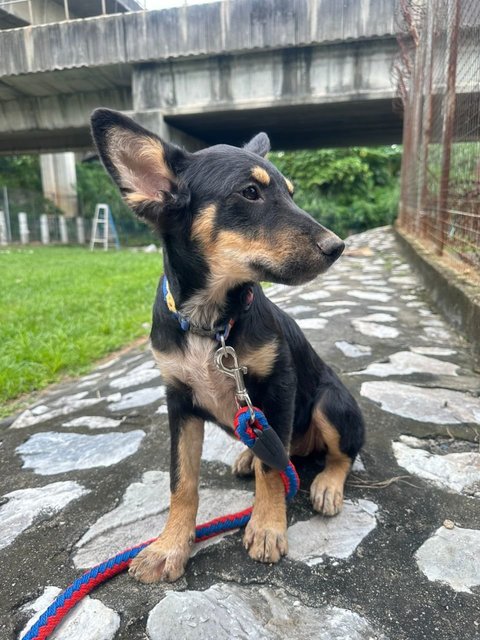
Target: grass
column 63, row 308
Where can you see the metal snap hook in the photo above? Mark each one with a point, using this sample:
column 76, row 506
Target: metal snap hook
column 236, row 372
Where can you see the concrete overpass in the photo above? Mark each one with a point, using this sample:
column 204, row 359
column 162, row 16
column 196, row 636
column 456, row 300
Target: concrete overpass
column 22, row 13
column 58, row 169
column 310, row 72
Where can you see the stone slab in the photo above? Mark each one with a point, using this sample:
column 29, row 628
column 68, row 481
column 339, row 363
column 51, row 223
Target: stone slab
column 89, row 620
column 50, row 452
column 94, row 422
column 312, row 323
column 404, row 363
column 139, row 398
column 451, row 557
column 375, row 330
column 227, row 611
column 23, row 507
column 352, row 350
column 459, row 472
column 220, row 447
column 142, row 515
column 312, row 540
column 440, row 406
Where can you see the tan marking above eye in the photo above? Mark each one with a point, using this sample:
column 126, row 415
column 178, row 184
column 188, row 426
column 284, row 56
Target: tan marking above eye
column 260, row 175
column 290, row 186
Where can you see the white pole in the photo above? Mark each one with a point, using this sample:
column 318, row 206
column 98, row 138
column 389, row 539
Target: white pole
column 44, row 230
column 105, row 228
column 7, row 214
column 23, row 227
column 3, row 229
column 63, row 230
column 80, row 230
column 93, row 236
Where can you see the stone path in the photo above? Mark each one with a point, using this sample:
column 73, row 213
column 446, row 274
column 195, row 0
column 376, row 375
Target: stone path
column 84, row 474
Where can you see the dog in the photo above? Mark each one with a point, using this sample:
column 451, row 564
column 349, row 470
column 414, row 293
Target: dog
column 228, row 221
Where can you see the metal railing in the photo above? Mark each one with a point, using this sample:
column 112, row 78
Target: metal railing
column 438, row 78
column 104, row 8
column 26, row 217
column 26, row 4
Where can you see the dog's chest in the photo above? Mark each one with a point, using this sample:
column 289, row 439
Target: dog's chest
column 212, row 390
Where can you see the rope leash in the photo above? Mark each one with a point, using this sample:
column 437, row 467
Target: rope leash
column 250, row 433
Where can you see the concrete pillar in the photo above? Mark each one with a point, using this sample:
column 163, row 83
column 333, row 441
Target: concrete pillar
column 44, row 230
column 23, row 227
column 59, row 181
column 80, row 230
column 62, row 223
column 3, row 229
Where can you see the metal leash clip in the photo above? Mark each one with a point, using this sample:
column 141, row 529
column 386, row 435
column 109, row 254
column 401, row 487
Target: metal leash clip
column 236, row 372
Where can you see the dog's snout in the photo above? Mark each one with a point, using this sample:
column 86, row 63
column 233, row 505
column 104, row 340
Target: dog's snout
column 332, row 246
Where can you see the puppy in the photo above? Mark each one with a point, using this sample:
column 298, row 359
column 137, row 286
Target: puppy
column 227, row 221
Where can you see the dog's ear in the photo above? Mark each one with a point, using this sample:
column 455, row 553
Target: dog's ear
column 259, row 144
column 144, row 167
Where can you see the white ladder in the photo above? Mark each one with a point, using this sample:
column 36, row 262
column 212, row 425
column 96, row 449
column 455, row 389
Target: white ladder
column 103, row 227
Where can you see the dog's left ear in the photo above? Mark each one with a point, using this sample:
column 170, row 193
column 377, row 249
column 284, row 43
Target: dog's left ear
column 144, row 167
column 259, row 144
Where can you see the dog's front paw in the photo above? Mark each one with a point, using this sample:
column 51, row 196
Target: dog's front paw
column 243, row 465
column 265, row 543
column 326, row 493
column 160, row 561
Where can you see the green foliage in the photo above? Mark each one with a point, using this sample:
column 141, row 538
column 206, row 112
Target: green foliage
column 348, row 190
column 94, row 185
column 63, row 308
column 21, row 175
column 20, row 172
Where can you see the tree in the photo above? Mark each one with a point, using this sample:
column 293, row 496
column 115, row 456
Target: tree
column 20, row 172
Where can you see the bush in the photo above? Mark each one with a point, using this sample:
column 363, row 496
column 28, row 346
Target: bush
column 348, row 190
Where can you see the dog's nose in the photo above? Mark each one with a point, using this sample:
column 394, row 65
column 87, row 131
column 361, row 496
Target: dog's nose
column 331, row 246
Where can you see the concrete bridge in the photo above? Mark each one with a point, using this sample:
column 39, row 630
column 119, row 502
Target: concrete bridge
column 310, row 72
column 22, row 13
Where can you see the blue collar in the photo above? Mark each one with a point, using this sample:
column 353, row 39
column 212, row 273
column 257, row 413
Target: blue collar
column 186, row 324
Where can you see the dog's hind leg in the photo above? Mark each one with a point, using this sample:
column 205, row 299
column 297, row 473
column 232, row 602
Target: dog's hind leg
column 166, row 558
column 338, row 429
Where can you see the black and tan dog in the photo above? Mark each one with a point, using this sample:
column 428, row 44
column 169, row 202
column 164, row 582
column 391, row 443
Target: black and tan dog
column 227, row 221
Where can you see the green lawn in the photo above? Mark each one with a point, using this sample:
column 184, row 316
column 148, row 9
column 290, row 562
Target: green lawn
column 63, row 308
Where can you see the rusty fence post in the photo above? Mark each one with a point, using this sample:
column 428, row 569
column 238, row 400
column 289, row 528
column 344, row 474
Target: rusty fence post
column 453, row 21
column 422, row 203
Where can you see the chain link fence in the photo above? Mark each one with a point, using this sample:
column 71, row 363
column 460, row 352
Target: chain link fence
column 438, row 76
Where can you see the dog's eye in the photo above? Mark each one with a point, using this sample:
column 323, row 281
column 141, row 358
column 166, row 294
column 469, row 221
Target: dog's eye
column 251, row 193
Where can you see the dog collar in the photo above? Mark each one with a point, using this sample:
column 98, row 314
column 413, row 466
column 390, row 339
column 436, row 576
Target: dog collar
column 222, row 330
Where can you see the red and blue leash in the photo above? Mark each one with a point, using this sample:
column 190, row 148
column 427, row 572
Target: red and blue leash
column 250, row 433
